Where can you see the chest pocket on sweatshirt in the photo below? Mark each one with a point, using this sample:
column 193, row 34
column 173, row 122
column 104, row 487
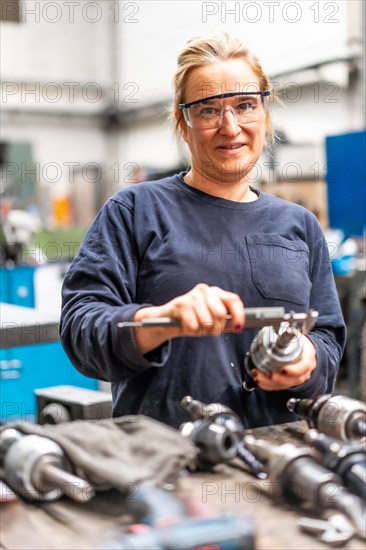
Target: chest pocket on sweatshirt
column 280, row 268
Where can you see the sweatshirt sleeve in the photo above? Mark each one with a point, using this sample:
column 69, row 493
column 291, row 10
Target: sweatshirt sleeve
column 99, row 291
column 329, row 334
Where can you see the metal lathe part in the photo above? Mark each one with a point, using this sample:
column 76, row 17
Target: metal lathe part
column 348, row 461
column 279, row 461
column 36, row 467
column 288, row 334
column 198, row 410
column 74, row 487
column 255, row 317
column 8, row 437
column 216, row 442
column 228, row 430
column 353, row 507
column 296, row 475
column 338, row 416
column 255, row 466
column 336, row 530
column 216, row 430
column 194, row 408
column 359, row 427
column 271, row 352
column 291, row 404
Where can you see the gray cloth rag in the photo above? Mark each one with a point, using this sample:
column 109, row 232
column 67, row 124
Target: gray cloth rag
column 118, row 452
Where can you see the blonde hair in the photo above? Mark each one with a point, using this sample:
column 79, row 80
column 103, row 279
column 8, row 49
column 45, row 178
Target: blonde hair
column 200, row 51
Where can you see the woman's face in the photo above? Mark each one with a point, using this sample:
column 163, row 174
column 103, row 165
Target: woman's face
column 227, row 153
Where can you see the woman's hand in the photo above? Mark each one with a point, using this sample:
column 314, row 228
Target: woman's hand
column 293, row 375
column 202, row 311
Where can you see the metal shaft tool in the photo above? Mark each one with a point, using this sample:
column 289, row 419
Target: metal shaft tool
column 255, row 317
column 335, row 531
column 216, row 430
column 348, row 461
column 218, row 433
column 36, row 468
column 271, row 352
column 337, row 416
column 298, row 479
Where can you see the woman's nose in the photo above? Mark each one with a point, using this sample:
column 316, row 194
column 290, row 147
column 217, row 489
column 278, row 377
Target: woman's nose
column 229, row 122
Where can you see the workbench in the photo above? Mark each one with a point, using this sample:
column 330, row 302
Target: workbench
column 71, row 526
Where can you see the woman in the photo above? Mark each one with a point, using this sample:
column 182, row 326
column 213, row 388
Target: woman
column 197, row 247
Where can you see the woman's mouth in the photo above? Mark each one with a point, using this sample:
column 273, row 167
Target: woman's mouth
column 231, row 147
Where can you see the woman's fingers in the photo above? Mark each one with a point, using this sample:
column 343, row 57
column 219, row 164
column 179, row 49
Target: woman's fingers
column 236, row 310
column 204, row 310
column 292, row 375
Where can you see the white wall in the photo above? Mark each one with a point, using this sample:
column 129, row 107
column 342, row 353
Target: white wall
column 57, row 67
column 58, row 41
column 290, row 37
column 60, row 146
column 150, row 145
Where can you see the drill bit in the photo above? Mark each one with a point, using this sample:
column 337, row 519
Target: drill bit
column 255, row 466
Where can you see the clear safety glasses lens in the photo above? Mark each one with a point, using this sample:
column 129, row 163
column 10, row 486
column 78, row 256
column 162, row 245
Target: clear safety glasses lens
column 204, row 115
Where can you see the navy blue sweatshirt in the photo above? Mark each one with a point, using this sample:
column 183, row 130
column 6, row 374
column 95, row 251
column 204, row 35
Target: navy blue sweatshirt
column 154, row 241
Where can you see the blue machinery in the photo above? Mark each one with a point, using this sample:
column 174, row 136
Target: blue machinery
column 27, row 367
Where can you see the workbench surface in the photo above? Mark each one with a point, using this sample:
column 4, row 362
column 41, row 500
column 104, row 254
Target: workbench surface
column 68, row 525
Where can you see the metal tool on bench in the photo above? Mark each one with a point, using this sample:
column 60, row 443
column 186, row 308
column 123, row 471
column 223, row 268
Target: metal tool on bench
column 271, row 351
column 255, row 317
column 348, row 461
column 218, row 433
column 336, row 530
column 298, row 479
column 337, row 416
column 36, row 468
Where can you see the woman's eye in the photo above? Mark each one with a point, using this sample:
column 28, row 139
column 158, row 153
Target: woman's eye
column 245, row 107
column 208, row 112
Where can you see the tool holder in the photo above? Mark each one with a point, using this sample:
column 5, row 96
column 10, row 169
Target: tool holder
column 271, row 351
